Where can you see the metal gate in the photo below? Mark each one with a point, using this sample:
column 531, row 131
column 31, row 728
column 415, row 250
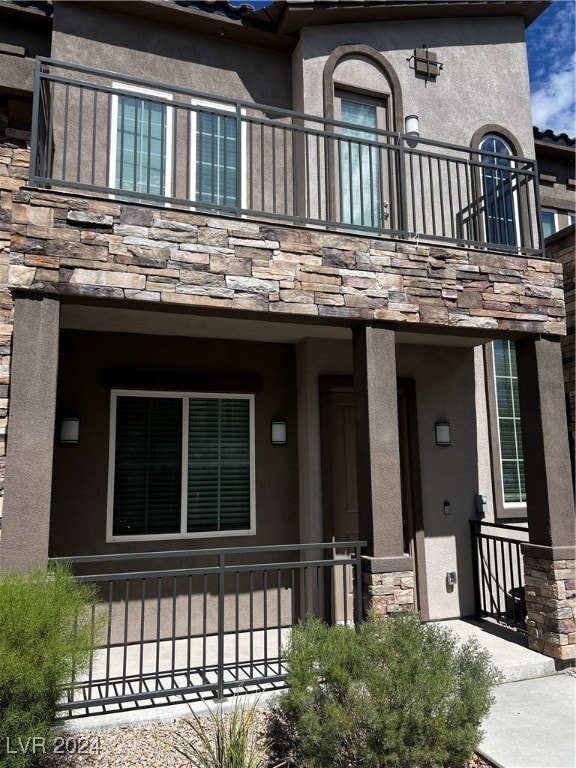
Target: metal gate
column 499, row 572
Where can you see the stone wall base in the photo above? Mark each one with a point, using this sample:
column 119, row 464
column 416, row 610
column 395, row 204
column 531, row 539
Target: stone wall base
column 388, row 594
column 551, row 606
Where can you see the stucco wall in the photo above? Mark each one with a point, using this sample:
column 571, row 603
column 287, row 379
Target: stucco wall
column 169, row 54
column 445, row 391
column 78, row 521
column 561, row 247
column 484, row 79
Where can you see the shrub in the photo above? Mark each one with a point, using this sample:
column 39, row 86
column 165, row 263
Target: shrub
column 46, row 635
column 224, row 741
column 394, row 693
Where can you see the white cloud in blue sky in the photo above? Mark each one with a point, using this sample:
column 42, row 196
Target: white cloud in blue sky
column 552, row 60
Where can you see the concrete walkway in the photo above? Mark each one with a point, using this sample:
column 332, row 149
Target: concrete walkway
column 533, row 721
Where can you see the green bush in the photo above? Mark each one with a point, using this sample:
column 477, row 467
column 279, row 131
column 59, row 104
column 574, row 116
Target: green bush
column 394, row 693
column 46, row 635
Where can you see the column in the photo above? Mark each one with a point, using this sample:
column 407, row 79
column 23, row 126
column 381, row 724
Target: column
column 549, row 558
column 388, row 573
column 33, row 378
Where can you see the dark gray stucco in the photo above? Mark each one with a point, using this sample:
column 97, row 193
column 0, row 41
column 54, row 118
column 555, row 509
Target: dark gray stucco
column 169, row 54
column 26, row 513
column 78, row 524
column 377, row 444
column 550, row 500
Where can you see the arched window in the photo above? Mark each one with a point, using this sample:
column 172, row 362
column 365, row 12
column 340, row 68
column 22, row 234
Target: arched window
column 498, row 182
column 362, row 159
column 362, row 90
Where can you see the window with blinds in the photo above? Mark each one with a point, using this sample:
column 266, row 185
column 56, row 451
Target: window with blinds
column 141, row 136
column 509, row 425
column 216, row 161
column 181, row 465
column 141, row 145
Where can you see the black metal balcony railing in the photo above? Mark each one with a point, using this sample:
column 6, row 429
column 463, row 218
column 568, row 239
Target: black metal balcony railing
column 109, row 134
column 498, row 567
column 205, row 622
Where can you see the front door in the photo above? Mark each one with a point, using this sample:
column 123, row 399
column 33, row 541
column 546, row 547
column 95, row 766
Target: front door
column 344, row 494
column 340, row 483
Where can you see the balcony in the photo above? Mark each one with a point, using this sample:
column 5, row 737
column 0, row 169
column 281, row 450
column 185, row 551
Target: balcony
column 127, row 139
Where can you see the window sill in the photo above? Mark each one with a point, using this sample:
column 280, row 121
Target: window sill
column 180, row 536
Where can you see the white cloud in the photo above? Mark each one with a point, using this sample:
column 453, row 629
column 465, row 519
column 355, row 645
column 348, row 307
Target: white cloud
column 554, row 98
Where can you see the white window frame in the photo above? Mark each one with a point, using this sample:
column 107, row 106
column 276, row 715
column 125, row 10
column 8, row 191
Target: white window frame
column 555, row 214
column 138, row 90
column 221, row 107
column 510, row 505
column 183, row 534
column 382, row 103
column 517, row 232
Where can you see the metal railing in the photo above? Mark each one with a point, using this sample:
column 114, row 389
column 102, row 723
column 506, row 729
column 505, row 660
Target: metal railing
column 208, row 621
column 498, row 569
column 110, row 134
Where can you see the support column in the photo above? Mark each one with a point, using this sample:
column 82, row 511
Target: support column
column 549, row 558
column 309, row 461
column 30, row 447
column 388, row 573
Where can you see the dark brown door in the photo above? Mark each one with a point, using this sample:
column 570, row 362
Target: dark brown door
column 340, row 482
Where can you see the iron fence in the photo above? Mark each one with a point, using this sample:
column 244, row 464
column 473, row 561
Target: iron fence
column 109, row 134
column 207, row 622
column 498, row 568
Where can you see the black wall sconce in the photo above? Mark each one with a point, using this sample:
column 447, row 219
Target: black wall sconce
column 70, row 430
column 279, row 433
column 442, row 433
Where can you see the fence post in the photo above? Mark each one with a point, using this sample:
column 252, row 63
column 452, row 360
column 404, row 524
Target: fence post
column 474, row 532
column 239, row 170
column 221, row 624
column 402, row 187
column 538, row 207
column 358, row 609
column 35, row 119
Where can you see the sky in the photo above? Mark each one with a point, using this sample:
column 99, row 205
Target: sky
column 552, row 62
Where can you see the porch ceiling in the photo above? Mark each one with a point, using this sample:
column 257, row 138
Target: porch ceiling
column 121, row 320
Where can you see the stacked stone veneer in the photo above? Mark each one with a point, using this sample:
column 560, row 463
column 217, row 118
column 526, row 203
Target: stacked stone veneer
column 551, row 605
column 84, row 246
column 14, row 163
column 388, row 594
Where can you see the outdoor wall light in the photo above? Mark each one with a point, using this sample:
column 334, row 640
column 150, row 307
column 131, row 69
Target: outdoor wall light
column 279, row 433
column 70, row 430
column 442, row 433
column 412, row 125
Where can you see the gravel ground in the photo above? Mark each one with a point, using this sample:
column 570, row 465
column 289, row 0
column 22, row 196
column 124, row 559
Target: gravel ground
column 142, row 745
